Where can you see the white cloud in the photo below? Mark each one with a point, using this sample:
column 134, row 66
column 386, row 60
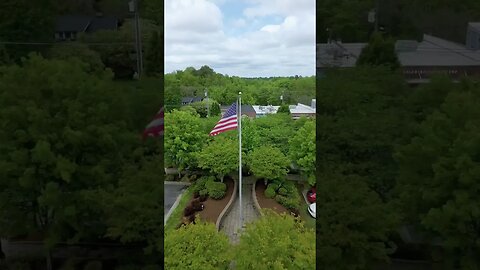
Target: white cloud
column 194, row 36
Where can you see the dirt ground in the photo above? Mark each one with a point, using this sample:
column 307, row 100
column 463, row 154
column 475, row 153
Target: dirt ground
column 265, row 202
column 213, row 208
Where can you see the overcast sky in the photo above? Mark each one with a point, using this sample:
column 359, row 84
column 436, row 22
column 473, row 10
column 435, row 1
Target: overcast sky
column 247, row 38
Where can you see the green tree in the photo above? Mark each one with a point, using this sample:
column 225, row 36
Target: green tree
column 63, row 136
column 268, row 162
column 196, row 246
column 438, row 177
column 154, row 56
column 81, row 52
column 276, row 242
column 352, row 226
column 379, row 51
column 26, row 21
column 183, row 137
column 302, row 151
column 284, row 109
column 220, row 156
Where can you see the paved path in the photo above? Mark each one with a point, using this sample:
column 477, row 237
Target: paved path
column 231, row 222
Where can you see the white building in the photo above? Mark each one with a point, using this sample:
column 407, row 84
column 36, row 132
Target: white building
column 300, row 110
column 262, row 111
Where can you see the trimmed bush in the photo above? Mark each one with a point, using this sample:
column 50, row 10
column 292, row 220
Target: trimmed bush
column 203, row 198
column 291, row 203
column 201, row 182
column 270, row 192
column 216, row 190
column 274, row 186
column 203, row 192
column 283, row 191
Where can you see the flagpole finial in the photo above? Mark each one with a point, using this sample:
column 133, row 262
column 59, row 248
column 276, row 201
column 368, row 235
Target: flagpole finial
column 239, row 93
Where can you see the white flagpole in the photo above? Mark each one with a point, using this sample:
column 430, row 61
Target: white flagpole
column 240, row 154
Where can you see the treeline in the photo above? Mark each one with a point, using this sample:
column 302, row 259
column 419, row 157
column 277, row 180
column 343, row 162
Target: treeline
column 73, row 167
column 347, row 20
column 392, row 158
column 224, row 88
column 28, row 26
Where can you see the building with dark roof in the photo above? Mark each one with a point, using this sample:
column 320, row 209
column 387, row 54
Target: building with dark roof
column 419, row 60
column 67, row 27
column 247, row 110
column 190, row 100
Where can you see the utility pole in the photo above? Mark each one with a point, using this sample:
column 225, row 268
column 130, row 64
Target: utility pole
column 377, row 10
column 133, row 5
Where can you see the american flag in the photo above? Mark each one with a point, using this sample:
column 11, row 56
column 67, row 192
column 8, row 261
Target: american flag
column 228, row 121
column 155, row 128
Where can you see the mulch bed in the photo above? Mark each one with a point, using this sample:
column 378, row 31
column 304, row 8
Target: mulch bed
column 265, row 202
column 213, row 208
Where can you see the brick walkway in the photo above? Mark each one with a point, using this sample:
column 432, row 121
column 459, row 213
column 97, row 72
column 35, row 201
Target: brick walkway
column 231, row 222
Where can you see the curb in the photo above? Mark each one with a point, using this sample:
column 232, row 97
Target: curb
column 255, row 201
column 228, row 206
column 175, row 204
column 176, row 183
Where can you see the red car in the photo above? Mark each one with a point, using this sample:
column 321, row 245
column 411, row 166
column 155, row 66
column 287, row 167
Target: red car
column 312, row 195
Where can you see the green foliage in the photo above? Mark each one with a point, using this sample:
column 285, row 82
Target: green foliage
column 183, row 137
column 70, row 139
column 267, row 162
column 270, row 192
column 363, row 116
column 220, row 156
column 302, row 150
column 284, row 109
column 438, row 176
column 196, row 246
column 352, row 226
column 216, row 190
column 282, row 191
column 154, row 55
column 201, row 182
column 224, row 89
column 26, row 21
column 79, row 51
column 280, row 241
column 379, row 52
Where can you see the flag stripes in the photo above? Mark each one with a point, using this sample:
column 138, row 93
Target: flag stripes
column 227, row 122
column 156, row 127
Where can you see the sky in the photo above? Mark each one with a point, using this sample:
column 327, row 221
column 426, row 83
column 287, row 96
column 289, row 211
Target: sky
column 246, row 38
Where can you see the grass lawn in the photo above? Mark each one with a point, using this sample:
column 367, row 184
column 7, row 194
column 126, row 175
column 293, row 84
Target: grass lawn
column 176, row 216
column 309, row 221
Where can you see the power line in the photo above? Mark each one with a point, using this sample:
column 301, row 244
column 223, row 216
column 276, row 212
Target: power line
column 66, row 43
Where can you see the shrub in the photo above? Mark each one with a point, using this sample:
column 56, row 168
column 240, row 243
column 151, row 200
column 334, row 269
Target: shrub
column 270, row 192
column 203, row 198
column 216, row 190
column 201, row 182
column 283, row 191
column 196, row 205
column 196, row 194
column 203, row 192
column 291, row 203
column 274, row 186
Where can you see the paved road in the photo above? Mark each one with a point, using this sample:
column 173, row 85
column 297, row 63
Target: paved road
column 172, row 191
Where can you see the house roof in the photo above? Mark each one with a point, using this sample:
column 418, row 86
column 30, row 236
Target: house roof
column 72, row 23
column 102, row 23
column 301, row 109
column 82, row 23
column 247, row 109
column 432, row 51
column 187, row 100
column 259, row 109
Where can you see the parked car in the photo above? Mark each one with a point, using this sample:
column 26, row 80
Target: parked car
column 312, row 210
column 312, row 195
